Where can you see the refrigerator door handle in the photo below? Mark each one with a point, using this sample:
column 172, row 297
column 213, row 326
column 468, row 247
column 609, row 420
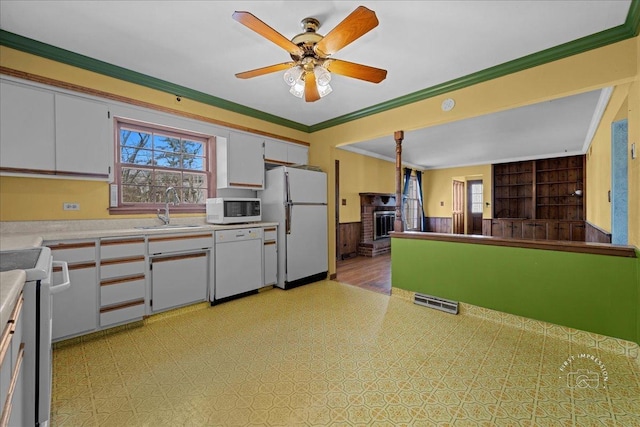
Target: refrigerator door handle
column 287, row 218
column 287, row 189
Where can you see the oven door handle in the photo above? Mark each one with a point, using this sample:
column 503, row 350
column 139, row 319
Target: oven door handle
column 66, row 282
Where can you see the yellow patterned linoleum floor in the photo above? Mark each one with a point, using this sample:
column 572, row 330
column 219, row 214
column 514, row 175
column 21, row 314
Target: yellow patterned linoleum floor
column 332, row 354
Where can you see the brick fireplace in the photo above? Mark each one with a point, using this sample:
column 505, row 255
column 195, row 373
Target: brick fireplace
column 377, row 212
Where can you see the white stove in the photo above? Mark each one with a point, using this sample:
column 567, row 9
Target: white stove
column 38, row 265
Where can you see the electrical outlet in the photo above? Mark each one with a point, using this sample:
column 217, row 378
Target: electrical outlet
column 71, row 206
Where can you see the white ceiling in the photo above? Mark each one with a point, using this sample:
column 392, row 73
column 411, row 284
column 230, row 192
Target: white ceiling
column 196, row 44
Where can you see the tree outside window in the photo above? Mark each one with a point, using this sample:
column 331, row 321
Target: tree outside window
column 150, row 159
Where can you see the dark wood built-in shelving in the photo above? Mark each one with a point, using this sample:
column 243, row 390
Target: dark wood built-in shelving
column 540, row 199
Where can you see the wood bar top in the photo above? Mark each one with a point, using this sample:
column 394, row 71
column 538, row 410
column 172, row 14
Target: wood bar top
column 550, row 245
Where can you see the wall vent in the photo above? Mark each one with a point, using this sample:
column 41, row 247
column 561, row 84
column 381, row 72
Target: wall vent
column 437, row 303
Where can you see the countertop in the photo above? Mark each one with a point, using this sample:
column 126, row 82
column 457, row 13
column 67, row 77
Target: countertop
column 28, row 234
column 11, row 283
column 14, row 235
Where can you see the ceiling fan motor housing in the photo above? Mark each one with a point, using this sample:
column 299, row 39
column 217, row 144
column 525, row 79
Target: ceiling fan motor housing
column 308, row 38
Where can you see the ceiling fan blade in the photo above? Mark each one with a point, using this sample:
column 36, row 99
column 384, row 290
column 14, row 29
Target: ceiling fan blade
column 250, row 21
column 265, row 70
column 311, row 93
column 354, row 26
column 356, row 71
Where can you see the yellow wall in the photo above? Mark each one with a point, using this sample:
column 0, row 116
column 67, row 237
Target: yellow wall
column 438, row 188
column 598, row 172
column 576, row 74
column 362, row 174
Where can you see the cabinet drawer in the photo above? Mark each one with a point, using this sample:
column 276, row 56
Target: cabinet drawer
column 121, row 267
column 270, row 233
column 174, row 243
column 73, row 252
column 120, row 290
column 120, row 314
column 121, row 248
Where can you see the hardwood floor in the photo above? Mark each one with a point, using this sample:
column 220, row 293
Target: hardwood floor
column 373, row 273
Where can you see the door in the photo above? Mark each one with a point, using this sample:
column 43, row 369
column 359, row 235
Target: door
column 307, row 186
column 474, row 207
column 307, row 242
column 458, row 207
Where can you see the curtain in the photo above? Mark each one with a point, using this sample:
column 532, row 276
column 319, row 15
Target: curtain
column 423, row 222
column 405, row 194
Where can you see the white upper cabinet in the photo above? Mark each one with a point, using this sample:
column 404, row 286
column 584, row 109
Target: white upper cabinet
column 83, row 143
column 280, row 152
column 51, row 133
column 27, row 133
column 297, row 154
column 240, row 161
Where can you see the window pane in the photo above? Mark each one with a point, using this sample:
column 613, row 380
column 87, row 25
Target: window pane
column 136, row 156
column 136, row 176
column 192, row 162
column 136, row 194
column 167, row 159
column 194, row 148
column 166, row 143
column 167, row 179
column 132, row 138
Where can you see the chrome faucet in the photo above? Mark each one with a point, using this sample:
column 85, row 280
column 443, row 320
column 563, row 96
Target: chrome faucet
column 176, row 201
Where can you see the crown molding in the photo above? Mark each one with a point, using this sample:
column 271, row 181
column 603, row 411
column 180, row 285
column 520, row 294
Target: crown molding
column 630, row 29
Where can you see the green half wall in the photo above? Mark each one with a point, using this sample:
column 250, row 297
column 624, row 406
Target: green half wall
column 594, row 293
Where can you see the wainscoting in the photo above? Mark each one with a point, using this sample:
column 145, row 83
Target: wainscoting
column 596, row 234
column 439, row 224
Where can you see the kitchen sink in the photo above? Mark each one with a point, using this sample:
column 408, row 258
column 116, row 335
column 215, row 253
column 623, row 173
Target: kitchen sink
column 168, row 227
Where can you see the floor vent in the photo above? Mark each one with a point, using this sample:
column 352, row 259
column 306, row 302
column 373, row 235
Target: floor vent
column 437, row 303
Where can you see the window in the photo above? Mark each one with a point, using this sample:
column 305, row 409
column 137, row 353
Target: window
column 412, row 207
column 150, row 158
column 476, row 198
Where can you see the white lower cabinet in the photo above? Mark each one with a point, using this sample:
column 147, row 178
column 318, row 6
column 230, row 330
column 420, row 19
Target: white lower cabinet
column 75, row 310
column 180, row 267
column 122, row 280
column 178, row 280
column 12, row 368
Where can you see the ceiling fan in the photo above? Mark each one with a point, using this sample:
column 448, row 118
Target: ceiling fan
column 310, row 71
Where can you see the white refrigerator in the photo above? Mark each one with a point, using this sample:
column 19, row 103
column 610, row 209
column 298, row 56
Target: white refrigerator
column 296, row 198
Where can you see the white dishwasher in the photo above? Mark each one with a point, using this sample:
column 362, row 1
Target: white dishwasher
column 238, row 266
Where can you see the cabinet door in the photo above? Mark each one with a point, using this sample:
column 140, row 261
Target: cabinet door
column 275, row 151
column 82, row 136
column 245, row 161
column 496, row 228
column 297, row 154
column 27, row 134
column 75, row 310
column 536, row 230
column 179, row 280
column 577, row 231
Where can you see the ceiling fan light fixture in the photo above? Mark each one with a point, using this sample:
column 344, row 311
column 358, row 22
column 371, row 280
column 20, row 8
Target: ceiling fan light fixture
column 323, row 77
column 297, row 89
column 293, row 75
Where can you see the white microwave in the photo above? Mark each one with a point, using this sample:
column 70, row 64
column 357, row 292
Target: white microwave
column 233, row 210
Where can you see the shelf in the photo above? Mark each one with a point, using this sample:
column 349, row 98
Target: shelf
column 559, row 204
column 512, row 197
column 512, row 173
column 511, row 185
column 560, row 169
column 556, row 182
